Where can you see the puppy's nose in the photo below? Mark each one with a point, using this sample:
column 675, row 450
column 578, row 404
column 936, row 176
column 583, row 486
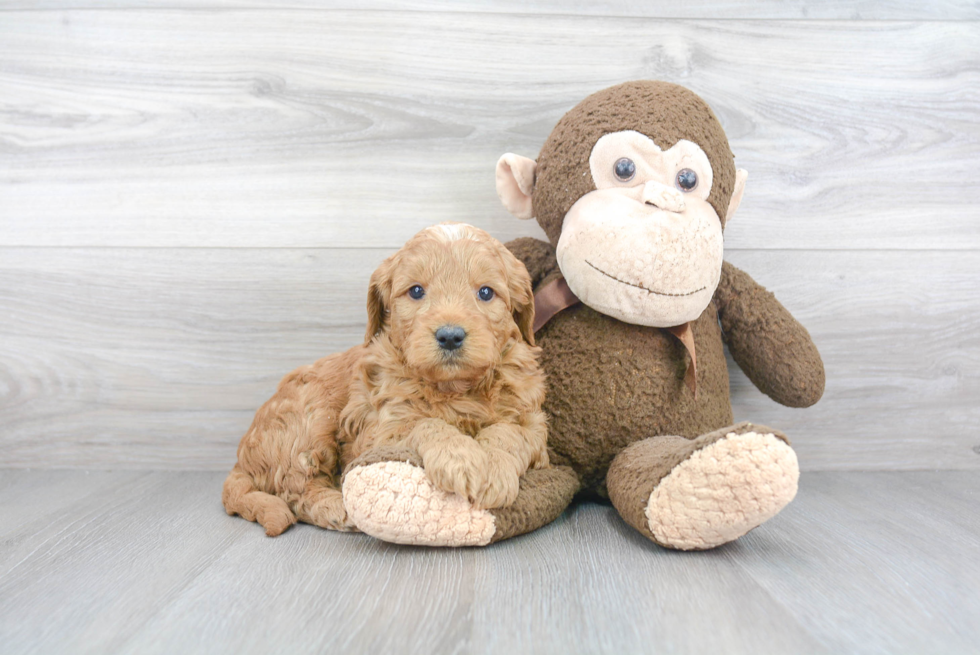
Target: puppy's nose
column 450, row 337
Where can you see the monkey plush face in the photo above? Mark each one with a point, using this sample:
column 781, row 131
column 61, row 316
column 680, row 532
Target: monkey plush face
column 633, row 187
column 648, row 197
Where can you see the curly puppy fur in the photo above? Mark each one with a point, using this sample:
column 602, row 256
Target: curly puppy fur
column 473, row 414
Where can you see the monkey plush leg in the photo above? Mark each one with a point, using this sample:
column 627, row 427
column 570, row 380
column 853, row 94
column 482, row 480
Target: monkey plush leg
column 388, row 496
column 695, row 494
column 542, row 497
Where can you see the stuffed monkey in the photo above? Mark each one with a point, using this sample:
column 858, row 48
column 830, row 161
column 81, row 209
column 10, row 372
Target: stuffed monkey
column 634, row 305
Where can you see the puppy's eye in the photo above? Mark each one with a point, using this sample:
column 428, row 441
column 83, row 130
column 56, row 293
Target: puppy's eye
column 486, row 294
column 416, row 292
column 687, row 180
column 625, row 169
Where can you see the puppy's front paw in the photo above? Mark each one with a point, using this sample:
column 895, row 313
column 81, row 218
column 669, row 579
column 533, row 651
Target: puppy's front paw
column 459, row 469
column 503, row 482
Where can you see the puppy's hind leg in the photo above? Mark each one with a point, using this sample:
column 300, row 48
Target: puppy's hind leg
column 240, row 496
column 322, row 504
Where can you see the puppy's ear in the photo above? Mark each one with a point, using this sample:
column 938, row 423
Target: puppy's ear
column 379, row 299
column 521, row 294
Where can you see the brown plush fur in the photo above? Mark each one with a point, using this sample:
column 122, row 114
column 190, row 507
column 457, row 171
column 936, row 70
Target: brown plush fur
column 773, row 349
column 473, row 415
column 662, row 111
column 612, row 383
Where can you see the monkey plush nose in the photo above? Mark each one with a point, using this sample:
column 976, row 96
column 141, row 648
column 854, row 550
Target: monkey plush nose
column 662, row 196
column 450, row 337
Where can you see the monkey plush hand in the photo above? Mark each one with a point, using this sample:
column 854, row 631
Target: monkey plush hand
column 633, row 307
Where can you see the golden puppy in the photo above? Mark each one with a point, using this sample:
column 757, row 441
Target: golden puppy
column 448, row 368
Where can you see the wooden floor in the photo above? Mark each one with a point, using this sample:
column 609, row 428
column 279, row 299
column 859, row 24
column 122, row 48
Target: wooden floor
column 148, row 562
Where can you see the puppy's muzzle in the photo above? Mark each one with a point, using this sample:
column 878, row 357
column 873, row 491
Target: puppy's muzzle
column 450, row 337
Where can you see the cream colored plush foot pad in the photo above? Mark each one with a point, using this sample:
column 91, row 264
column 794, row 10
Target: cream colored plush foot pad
column 722, row 491
column 396, row 502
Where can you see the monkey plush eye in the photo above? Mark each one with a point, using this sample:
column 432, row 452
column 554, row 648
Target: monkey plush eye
column 687, row 180
column 625, row 169
column 416, row 292
column 486, row 294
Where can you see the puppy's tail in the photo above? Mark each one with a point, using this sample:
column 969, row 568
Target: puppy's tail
column 240, row 496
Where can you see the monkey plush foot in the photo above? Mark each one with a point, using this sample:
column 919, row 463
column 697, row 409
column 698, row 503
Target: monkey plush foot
column 707, row 492
column 394, row 501
column 723, row 491
column 388, row 496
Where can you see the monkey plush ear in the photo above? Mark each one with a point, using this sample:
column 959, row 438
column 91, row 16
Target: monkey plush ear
column 379, row 294
column 515, row 182
column 740, row 176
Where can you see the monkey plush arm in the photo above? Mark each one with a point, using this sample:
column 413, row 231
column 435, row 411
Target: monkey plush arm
column 538, row 256
column 773, row 349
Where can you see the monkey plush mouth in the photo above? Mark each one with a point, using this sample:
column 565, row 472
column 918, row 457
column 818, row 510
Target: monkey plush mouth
column 640, row 286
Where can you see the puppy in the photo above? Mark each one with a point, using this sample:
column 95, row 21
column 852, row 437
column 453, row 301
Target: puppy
column 448, row 368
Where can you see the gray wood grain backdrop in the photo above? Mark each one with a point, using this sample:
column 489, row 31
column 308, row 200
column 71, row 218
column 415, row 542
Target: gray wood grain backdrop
column 193, row 195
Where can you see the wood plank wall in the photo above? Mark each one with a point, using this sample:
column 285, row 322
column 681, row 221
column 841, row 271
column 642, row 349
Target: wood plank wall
column 193, row 195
